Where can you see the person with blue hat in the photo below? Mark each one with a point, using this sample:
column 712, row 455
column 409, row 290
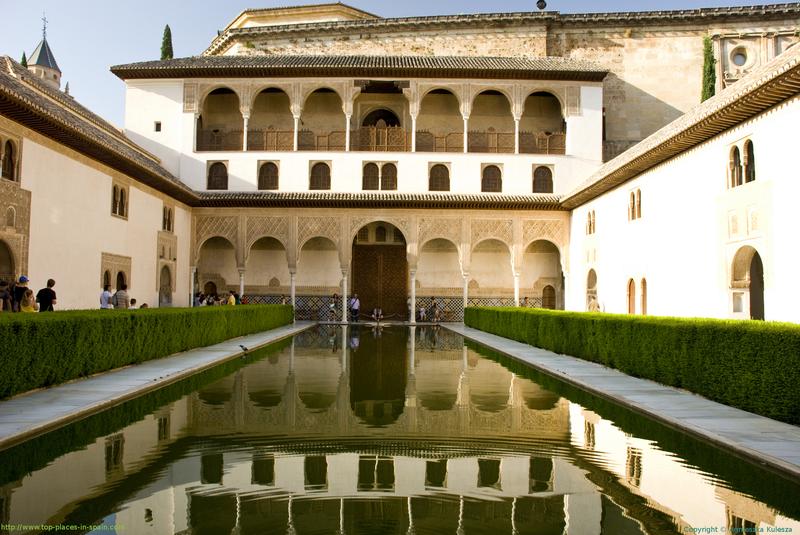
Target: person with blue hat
column 19, row 292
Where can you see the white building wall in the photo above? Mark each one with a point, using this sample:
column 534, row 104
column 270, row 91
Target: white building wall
column 148, row 102
column 683, row 244
column 72, row 225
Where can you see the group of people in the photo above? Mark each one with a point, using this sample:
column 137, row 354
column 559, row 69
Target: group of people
column 353, row 309
column 119, row 299
column 432, row 312
column 226, row 298
column 18, row 297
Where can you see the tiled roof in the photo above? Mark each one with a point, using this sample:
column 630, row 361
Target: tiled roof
column 328, row 199
column 43, row 56
column 512, row 20
column 26, row 100
column 439, row 66
column 755, row 93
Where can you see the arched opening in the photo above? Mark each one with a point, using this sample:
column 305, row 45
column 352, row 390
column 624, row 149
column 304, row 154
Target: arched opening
column 106, row 278
column 631, row 297
column 267, row 271
column 537, row 398
column 115, row 200
column 268, row 176
column 381, row 105
column 491, row 181
column 369, row 177
column 320, row 177
column 491, row 124
column 491, row 270
column 439, row 275
column 735, row 164
column 121, row 280
column 542, row 129
column 318, row 276
column 540, row 280
column 271, row 125
column 170, row 220
column 592, row 303
column 9, row 162
column 439, row 178
column 389, row 177
column 437, row 377
column 542, row 180
column 322, row 122
column 748, row 283
column 381, row 118
column 165, row 287
column 11, row 217
column 643, row 285
column 220, row 124
column 123, row 203
column 749, row 162
column 440, row 126
column 210, row 288
column 638, row 204
column 380, row 270
column 217, row 264
column 7, row 271
column 217, row 176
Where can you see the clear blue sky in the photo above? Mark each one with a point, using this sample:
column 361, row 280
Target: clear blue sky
column 88, row 36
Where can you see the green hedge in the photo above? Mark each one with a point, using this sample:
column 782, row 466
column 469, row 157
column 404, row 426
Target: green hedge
column 45, row 349
column 752, row 365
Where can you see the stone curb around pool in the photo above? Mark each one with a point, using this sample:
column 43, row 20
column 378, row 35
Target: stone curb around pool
column 66, row 403
column 790, row 435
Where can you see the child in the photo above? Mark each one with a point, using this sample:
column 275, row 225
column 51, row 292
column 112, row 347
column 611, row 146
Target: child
column 28, row 303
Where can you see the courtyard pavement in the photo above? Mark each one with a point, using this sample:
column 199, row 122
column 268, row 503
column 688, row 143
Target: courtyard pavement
column 766, row 441
column 34, row 413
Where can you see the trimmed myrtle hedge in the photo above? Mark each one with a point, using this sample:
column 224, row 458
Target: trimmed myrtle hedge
column 752, row 365
column 45, row 349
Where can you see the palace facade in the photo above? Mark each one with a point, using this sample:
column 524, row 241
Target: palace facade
column 503, row 159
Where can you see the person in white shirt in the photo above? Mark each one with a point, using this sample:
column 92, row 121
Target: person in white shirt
column 105, row 297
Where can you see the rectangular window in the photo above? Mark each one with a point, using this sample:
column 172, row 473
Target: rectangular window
column 157, row 126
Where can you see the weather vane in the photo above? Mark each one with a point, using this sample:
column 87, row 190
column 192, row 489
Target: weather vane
column 44, row 26
column 541, row 4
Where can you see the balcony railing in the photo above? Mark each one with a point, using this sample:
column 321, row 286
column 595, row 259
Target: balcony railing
column 391, row 139
column 430, row 142
column 493, row 142
column 219, row 140
column 270, row 140
column 542, row 143
column 332, row 141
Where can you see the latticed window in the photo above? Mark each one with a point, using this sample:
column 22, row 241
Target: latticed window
column 549, row 297
column 542, row 180
column 749, row 162
column 380, row 234
column 9, row 162
column 164, row 223
column 439, row 179
column 218, row 176
column 369, row 177
column 363, row 235
column 115, row 200
column 638, row 204
column 123, row 203
column 320, row 177
column 491, row 181
column 268, row 176
column 735, row 164
column 389, row 177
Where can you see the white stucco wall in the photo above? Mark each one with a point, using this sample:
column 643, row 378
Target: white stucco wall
column 684, row 242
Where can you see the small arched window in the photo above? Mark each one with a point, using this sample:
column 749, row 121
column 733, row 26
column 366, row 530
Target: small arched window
column 638, row 204
column 735, row 167
column 268, row 176
column 9, row 162
column 632, row 206
column 380, row 234
column 439, row 179
column 320, row 177
column 121, row 280
column 588, row 223
column 389, row 177
column 594, row 228
column 644, row 296
column 218, row 176
column 749, row 162
column 11, row 217
column 549, row 297
column 631, row 297
column 115, row 200
column 369, row 177
column 170, row 220
column 542, row 180
column 164, row 221
column 123, row 203
column 106, row 278
column 491, row 181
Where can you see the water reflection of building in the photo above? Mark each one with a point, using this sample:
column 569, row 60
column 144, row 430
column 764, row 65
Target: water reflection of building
column 282, row 445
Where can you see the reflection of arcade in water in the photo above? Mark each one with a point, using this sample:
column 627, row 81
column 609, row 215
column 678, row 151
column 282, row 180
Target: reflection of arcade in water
column 355, row 430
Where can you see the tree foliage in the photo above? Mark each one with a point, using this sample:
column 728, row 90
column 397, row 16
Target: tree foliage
column 166, row 43
column 24, row 60
column 709, row 72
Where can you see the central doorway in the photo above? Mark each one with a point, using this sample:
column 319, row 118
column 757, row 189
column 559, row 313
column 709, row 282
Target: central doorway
column 380, row 270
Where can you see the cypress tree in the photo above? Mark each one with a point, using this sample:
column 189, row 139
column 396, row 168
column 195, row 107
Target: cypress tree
column 709, row 73
column 166, row 43
column 24, row 60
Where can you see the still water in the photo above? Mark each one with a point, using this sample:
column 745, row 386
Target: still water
column 396, row 431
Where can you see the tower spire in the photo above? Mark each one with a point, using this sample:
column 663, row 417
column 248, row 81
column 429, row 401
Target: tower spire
column 44, row 26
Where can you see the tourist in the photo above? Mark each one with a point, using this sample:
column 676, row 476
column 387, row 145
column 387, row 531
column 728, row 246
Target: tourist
column 594, row 305
column 121, row 298
column 524, row 302
column 231, row 299
column 144, row 305
column 422, row 316
column 377, row 314
column 237, row 300
column 11, row 287
column 283, row 299
column 46, row 297
column 199, row 299
column 435, row 311
column 332, row 307
column 28, row 303
column 355, row 307
column 105, row 298
column 19, row 291
column 5, row 297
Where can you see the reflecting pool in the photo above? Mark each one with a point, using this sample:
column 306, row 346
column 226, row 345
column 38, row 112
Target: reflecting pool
column 356, row 430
